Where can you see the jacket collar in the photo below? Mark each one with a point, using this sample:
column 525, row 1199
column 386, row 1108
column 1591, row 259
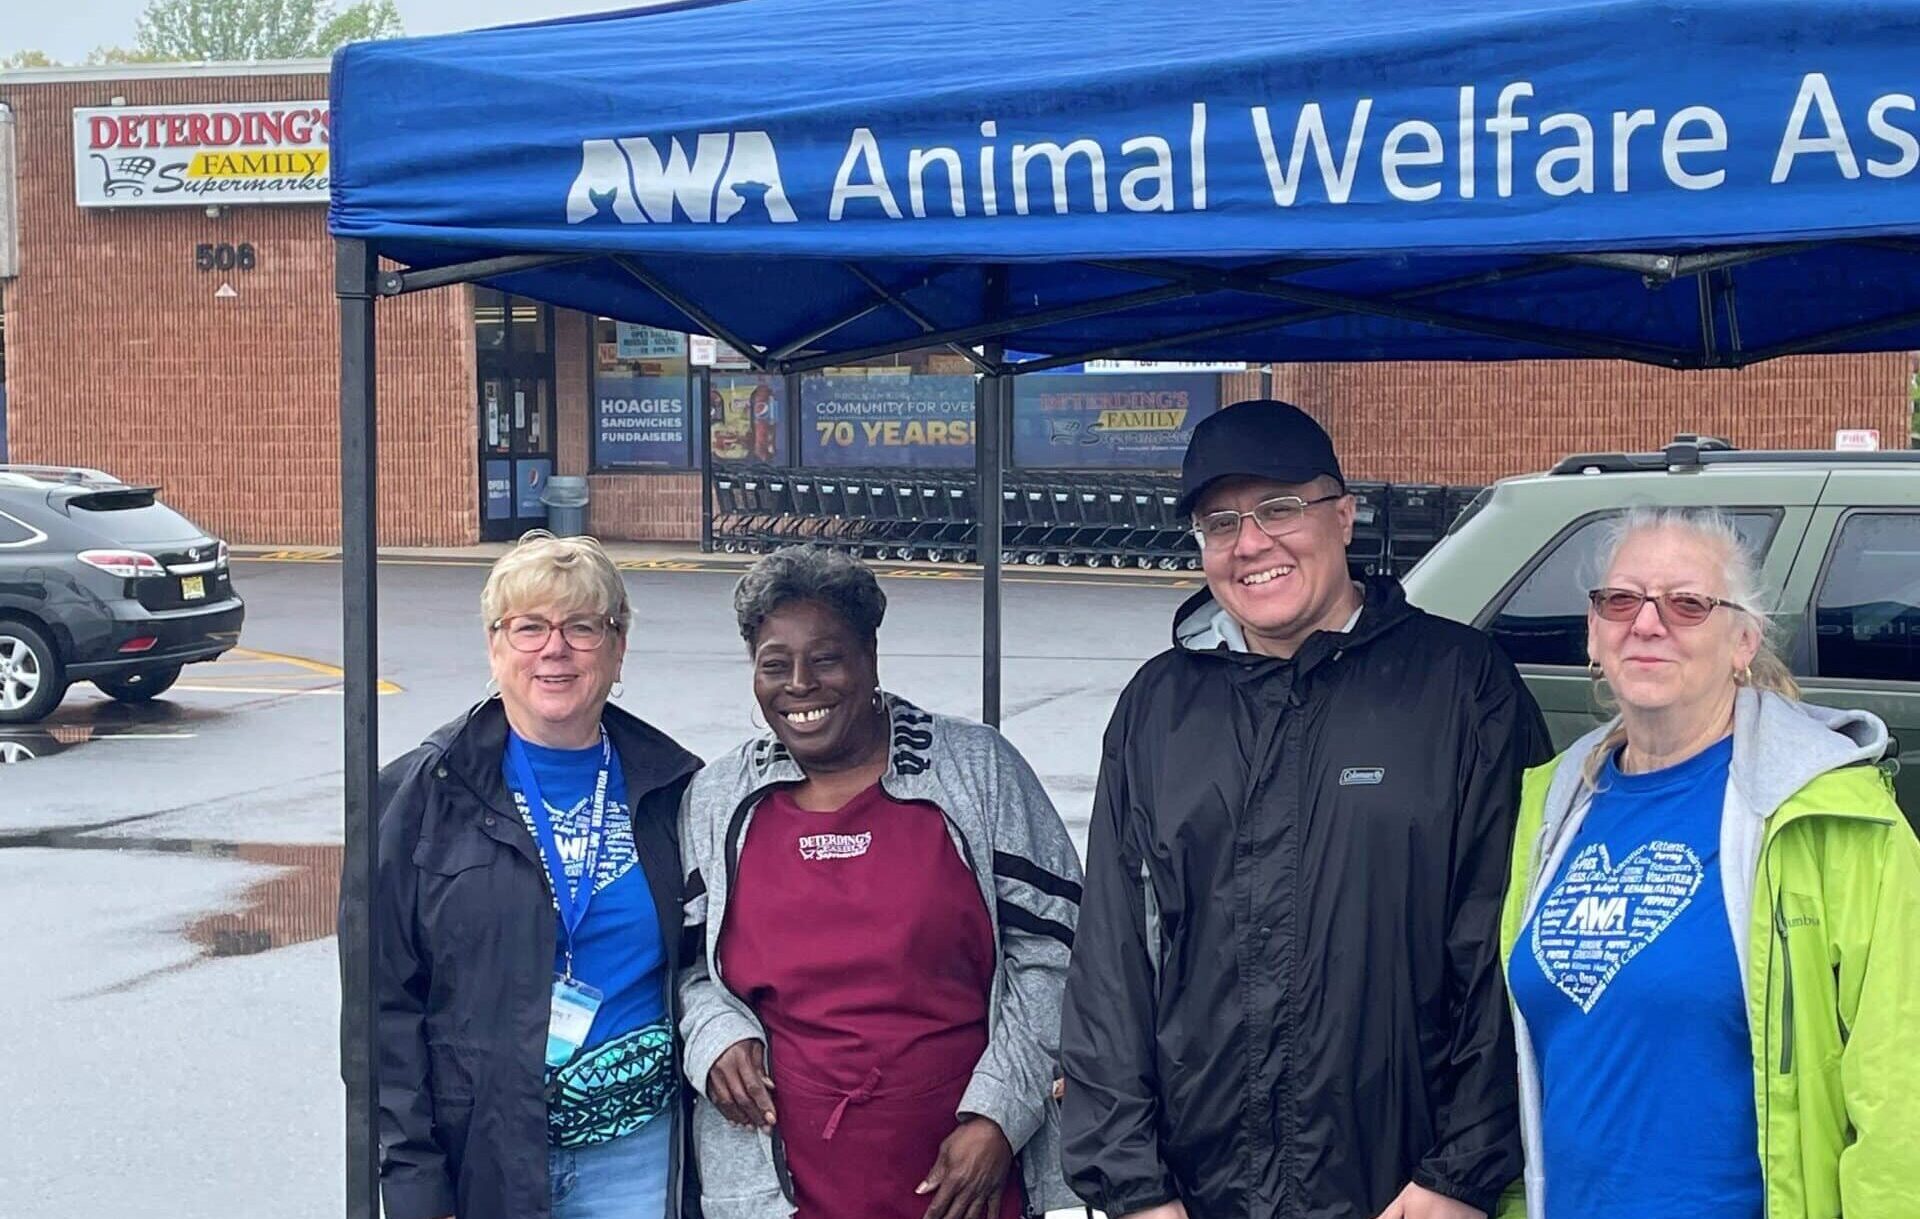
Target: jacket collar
column 1383, row 606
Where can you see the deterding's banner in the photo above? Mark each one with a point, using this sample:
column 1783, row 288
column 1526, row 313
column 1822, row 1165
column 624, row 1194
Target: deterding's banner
column 1106, row 422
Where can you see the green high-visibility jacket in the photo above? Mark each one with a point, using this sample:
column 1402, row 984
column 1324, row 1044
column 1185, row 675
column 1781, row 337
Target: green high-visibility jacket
column 1822, row 877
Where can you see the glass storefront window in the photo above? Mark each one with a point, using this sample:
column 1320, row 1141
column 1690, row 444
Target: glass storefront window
column 529, row 322
column 489, row 319
column 641, row 410
column 749, row 418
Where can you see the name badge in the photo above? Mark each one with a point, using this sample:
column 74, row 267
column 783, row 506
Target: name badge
column 574, row 1005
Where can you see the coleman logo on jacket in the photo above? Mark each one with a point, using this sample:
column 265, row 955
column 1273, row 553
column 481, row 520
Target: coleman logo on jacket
column 835, row 846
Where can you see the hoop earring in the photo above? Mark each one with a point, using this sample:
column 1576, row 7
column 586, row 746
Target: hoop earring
column 1745, row 676
column 619, row 689
column 879, row 702
column 1594, row 673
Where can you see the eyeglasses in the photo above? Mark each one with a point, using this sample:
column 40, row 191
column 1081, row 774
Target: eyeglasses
column 1675, row 609
column 529, row 634
column 1276, row 517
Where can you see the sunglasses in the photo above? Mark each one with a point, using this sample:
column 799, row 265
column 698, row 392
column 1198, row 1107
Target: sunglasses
column 1675, row 609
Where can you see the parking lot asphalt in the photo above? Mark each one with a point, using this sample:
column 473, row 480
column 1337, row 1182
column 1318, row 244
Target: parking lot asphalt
column 168, row 873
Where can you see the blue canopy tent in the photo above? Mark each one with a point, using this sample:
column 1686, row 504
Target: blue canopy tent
column 1688, row 183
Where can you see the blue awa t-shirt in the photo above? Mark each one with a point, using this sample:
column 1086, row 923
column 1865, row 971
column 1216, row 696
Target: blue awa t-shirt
column 1630, row 987
column 617, row 948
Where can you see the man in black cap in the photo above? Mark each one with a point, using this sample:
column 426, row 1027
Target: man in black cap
column 1285, row 998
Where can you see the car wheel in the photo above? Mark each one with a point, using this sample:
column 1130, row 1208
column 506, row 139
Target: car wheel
column 31, row 681
column 138, row 685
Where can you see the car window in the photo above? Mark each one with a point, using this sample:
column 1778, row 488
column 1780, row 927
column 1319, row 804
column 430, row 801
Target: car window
column 15, row 532
column 135, row 523
column 1544, row 619
column 1866, row 620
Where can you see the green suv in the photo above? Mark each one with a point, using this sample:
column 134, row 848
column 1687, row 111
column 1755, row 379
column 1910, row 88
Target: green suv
column 1839, row 536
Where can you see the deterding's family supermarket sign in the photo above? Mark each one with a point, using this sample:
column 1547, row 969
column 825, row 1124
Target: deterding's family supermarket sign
column 253, row 152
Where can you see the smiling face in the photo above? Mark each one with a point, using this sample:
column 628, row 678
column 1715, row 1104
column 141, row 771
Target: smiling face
column 554, row 696
column 814, row 679
column 1280, row 590
column 1654, row 667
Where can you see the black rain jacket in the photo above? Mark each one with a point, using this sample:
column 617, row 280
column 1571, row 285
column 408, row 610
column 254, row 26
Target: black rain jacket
column 463, row 938
column 1285, row 995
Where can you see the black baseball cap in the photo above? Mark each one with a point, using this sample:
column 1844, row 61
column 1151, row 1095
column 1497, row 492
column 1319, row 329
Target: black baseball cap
column 1259, row 438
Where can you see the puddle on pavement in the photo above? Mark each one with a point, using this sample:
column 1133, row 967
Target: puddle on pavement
column 294, row 906
column 80, row 721
column 297, row 904
column 203, row 697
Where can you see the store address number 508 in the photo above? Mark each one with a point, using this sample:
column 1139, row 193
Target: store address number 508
column 208, row 256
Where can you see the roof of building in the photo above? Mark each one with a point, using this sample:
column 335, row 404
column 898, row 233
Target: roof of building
column 163, row 71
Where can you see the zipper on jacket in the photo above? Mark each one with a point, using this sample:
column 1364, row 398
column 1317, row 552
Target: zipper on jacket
column 1786, row 985
column 993, row 1007
column 1780, row 939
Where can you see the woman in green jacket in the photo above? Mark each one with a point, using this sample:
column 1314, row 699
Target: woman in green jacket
column 1712, row 932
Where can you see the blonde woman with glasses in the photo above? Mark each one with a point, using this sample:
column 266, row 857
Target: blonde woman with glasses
column 524, row 925
column 1712, row 933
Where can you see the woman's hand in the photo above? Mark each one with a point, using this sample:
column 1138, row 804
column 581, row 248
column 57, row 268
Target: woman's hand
column 1415, row 1202
column 739, row 1086
column 969, row 1173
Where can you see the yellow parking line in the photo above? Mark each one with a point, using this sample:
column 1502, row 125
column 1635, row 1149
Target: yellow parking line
column 301, row 662
column 268, row 690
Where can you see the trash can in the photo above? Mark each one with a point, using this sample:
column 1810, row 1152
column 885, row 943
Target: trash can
column 566, row 500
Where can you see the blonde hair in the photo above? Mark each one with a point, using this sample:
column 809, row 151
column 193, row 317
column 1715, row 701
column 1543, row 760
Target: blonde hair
column 1739, row 577
column 541, row 568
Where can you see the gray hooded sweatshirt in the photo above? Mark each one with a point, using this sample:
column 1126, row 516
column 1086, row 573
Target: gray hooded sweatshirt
column 1005, row 828
column 1779, row 746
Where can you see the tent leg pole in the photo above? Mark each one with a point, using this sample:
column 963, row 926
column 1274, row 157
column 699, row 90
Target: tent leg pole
column 706, row 458
column 355, row 269
column 988, row 417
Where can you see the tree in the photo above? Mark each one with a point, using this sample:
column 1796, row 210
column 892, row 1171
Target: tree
column 119, row 55
column 227, row 30
column 26, row 59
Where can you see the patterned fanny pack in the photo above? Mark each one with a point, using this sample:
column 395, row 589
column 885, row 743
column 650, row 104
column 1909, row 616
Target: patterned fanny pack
column 612, row 1089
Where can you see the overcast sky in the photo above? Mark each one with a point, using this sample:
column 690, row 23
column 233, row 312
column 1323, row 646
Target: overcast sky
column 68, row 29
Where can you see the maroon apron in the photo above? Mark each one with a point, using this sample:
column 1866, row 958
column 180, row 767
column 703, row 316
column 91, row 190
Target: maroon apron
column 860, row 940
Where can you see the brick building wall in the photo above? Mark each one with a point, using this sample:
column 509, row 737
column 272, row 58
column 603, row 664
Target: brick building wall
column 1473, row 423
column 119, row 355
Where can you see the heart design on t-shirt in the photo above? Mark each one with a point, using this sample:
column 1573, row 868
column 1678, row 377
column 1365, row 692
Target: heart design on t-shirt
column 1599, row 915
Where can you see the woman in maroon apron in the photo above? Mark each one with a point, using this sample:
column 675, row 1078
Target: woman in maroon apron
column 856, row 927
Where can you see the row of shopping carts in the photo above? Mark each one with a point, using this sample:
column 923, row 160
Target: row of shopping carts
column 1119, row 519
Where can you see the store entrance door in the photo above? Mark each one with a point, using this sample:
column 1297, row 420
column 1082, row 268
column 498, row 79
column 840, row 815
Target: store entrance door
column 514, row 358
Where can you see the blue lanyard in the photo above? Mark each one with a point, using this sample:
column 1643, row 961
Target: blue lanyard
column 570, row 903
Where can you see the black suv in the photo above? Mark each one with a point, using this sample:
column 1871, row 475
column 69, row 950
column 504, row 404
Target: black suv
column 101, row 582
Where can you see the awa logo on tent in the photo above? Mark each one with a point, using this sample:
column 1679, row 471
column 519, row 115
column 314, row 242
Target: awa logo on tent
column 726, row 173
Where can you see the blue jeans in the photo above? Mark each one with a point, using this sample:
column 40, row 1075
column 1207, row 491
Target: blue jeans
column 622, row 1179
